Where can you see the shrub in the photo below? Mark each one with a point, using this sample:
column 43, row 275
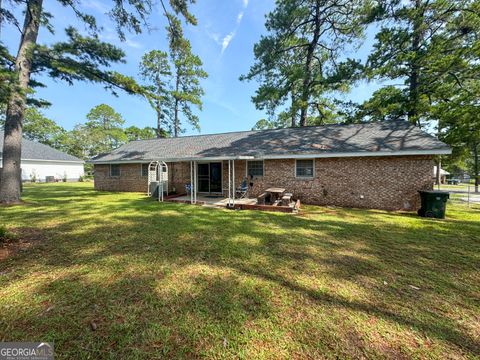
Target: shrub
column 81, row 179
column 64, row 177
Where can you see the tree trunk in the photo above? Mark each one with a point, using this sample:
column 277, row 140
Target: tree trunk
column 10, row 184
column 293, row 112
column 308, row 67
column 176, row 125
column 159, row 120
column 476, row 167
column 0, row 19
column 413, row 91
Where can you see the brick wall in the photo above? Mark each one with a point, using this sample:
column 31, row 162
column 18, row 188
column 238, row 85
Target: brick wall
column 131, row 178
column 370, row 182
column 390, row 183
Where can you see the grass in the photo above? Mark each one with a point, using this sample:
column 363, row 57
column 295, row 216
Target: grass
column 459, row 187
column 181, row 281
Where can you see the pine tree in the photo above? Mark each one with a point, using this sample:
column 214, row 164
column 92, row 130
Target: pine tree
column 80, row 58
column 417, row 47
column 299, row 61
column 187, row 73
column 155, row 70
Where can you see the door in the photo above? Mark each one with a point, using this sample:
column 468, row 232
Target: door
column 210, row 177
column 203, row 177
column 215, row 177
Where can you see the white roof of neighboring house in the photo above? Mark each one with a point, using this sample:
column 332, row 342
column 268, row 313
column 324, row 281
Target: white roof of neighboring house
column 32, row 150
column 442, row 172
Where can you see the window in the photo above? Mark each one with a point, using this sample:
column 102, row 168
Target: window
column 304, row 168
column 255, row 168
column 145, row 169
column 114, row 170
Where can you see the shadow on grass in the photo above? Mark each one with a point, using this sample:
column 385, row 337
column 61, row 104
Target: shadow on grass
column 178, row 280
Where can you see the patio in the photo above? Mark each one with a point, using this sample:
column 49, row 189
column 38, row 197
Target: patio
column 210, row 200
column 202, row 190
column 240, row 204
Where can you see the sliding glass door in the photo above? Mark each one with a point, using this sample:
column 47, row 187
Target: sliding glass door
column 210, row 177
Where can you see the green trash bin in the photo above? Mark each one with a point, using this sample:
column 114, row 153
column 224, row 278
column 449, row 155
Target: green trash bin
column 434, row 203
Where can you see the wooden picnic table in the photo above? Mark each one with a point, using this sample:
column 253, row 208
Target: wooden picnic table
column 275, row 192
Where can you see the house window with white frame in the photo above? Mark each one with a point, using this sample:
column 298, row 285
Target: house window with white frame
column 114, row 170
column 304, row 168
column 255, row 168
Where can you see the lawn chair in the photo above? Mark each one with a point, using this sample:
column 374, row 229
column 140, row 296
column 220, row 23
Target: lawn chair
column 241, row 192
column 188, row 188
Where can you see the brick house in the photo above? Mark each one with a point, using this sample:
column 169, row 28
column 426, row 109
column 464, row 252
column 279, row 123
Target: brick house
column 374, row 165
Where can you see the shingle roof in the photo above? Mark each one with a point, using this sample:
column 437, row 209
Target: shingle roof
column 369, row 139
column 32, row 150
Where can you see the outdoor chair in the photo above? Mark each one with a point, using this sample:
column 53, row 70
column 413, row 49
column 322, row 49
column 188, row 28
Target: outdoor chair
column 188, row 188
column 241, row 192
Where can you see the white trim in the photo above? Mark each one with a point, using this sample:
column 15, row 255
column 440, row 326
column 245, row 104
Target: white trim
column 305, row 177
column 60, row 161
column 290, row 156
column 205, row 159
column 360, row 154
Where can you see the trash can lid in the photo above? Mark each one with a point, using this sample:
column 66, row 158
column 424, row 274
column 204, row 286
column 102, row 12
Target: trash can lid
column 434, row 192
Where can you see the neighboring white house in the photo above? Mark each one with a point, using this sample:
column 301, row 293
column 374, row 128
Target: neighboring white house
column 443, row 175
column 40, row 161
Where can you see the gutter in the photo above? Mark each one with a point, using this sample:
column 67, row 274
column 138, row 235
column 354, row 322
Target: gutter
column 60, row 161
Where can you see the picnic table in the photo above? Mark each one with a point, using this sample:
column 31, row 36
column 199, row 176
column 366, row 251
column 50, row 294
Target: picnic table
column 275, row 193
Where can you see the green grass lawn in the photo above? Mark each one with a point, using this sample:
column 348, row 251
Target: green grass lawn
column 459, row 187
column 164, row 280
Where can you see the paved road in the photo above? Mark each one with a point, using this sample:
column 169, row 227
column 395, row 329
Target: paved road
column 473, row 198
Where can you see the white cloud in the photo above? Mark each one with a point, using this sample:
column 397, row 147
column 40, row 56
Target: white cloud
column 95, row 5
column 214, row 36
column 227, row 39
column 110, row 35
column 239, row 17
column 133, row 44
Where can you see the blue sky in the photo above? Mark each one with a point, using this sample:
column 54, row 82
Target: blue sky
column 223, row 38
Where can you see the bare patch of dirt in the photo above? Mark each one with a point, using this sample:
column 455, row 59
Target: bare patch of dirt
column 25, row 238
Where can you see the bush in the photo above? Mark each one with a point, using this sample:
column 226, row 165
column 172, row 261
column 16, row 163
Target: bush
column 81, row 179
